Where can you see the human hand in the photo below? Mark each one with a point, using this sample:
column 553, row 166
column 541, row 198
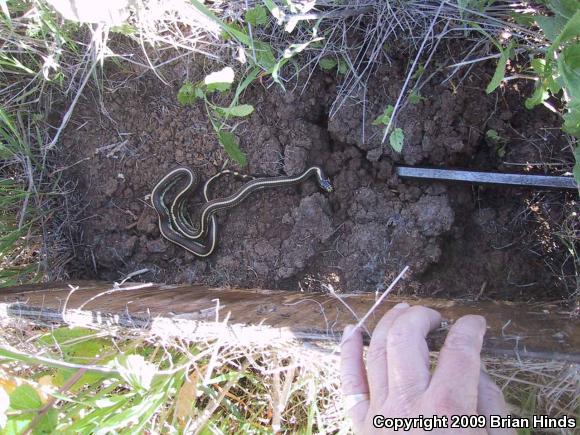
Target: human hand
column 397, row 380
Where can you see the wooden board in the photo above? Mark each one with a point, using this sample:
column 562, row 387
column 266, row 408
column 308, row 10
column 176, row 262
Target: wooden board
column 543, row 330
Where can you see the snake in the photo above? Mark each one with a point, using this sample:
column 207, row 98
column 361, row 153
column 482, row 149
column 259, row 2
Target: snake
column 176, row 226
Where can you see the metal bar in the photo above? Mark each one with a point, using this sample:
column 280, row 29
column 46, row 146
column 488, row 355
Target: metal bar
column 522, row 180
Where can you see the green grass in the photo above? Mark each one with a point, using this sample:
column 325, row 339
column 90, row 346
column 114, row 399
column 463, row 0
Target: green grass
column 16, row 190
column 97, row 381
column 32, row 72
column 145, row 387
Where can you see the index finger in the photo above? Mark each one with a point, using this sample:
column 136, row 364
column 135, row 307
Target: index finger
column 455, row 381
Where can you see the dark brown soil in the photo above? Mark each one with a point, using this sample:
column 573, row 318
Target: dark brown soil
column 460, row 241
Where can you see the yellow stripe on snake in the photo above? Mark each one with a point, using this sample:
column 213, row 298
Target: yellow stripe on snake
column 174, row 222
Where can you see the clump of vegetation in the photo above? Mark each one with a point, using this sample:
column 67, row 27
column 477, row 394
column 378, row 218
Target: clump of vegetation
column 100, row 381
column 555, row 66
column 34, row 70
column 220, row 81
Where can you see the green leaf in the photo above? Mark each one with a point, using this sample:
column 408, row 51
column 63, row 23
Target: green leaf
column 564, row 8
column 493, row 136
column 342, row 66
column 75, row 342
column 415, row 97
column 47, row 423
column 25, row 397
column 327, row 63
column 523, row 19
column 539, row 66
column 264, row 55
column 538, row 97
column 551, row 26
column 572, row 28
column 385, row 117
column 396, row 139
column 257, row 16
column 220, row 80
column 572, row 119
column 499, row 73
column 238, row 111
column 569, row 67
column 230, row 144
column 187, row 94
column 135, row 370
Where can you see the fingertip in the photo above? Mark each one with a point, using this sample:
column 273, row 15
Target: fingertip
column 472, row 322
column 417, row 315
column 349, row 332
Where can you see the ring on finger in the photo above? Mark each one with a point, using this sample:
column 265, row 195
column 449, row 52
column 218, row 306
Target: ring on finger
column 351, row 400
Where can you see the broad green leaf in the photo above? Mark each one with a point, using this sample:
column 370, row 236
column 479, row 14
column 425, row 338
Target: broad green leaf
column 186, row 94
column 572, row 28
column 264, row 55
column 75, row 342
column 88, row 378
column 572, row 119
column 396, row 139
column 257, row 15
column 135, row 370
column 238, row 111
column 230, row 144
column 538, row 97
column 327, row 63
column 499, row 73
column 551, row 26
column 385, row 117
column 564, row 8
column 220, row 80
column 47, row 423
column 25, row 397
column 569, row 67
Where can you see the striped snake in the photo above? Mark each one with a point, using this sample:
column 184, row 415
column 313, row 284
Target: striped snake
column 174, row 222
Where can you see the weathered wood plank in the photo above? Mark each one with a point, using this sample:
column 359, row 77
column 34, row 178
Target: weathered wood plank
column 543, row 330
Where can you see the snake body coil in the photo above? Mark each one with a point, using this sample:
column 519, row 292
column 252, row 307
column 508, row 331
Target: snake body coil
column 174, row 223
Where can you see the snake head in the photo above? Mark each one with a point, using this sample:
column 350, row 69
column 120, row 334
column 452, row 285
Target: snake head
column 326, row 185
